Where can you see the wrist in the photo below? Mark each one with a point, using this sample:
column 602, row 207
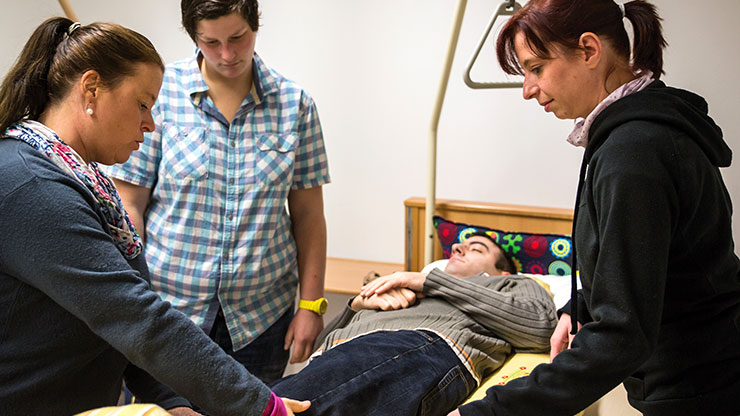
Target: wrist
column 275, row 407
column 318, row 306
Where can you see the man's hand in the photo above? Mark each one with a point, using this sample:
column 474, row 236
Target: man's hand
column 400, row 298
column 303, row 330
column 295, row 406
column 410, row 280
column 183, row 411
column 561, row 338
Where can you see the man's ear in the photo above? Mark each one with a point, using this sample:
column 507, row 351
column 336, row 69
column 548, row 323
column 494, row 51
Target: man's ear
column 592, row 49
column 505, row 273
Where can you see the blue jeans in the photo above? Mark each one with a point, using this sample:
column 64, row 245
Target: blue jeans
column 399, row 373
column 264, row 357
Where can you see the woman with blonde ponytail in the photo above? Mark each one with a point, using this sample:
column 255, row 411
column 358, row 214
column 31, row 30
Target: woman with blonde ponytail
column 660, row 305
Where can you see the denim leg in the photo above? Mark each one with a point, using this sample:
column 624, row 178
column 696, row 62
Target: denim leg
column 399, row 373
column 264, row 357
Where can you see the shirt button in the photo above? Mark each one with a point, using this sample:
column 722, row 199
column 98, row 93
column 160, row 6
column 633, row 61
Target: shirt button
column 231, row 181
column 230, row 217
column 233, row 144
column 226, row 256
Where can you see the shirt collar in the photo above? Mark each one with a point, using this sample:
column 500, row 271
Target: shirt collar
column 264, row 80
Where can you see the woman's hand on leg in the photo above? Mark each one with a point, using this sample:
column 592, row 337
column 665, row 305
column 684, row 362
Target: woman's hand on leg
column 295, row 406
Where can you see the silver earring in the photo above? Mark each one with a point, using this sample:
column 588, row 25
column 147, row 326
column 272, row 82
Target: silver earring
column 89, row 111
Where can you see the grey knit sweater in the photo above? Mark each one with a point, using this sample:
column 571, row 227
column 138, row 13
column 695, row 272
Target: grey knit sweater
column 484, row 316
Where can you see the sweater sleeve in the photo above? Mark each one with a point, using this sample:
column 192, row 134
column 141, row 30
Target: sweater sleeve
column 64, row 251
column 519, row 310
column 147, row 389
column 629, row 194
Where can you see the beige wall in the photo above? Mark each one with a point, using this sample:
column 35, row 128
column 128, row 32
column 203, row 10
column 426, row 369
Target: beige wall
column 373, row 68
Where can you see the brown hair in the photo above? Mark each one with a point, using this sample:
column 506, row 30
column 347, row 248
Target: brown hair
column 193, row 11
column 547, row 23
column 53, row 59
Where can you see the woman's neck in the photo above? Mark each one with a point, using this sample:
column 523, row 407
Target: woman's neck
column 65, row 122
column 616, row 79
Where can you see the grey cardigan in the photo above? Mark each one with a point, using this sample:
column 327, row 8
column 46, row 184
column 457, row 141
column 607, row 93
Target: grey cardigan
column 74, row 312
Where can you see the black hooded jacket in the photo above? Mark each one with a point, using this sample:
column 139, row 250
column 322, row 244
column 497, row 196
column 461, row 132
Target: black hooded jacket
column 661, row 284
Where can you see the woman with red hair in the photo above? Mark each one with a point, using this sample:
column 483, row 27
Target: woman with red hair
column 660, row 305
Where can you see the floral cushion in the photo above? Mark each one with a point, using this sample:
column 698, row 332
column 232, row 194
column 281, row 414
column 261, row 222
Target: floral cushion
column 532, row 253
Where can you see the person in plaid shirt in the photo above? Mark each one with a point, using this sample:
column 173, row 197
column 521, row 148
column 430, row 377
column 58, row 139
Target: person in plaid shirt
column 233, row 142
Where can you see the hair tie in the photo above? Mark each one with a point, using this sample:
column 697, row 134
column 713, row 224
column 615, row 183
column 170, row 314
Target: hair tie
column 74, row 26
column 621, row 9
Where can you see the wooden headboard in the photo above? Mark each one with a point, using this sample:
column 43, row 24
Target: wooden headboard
column 505, row 217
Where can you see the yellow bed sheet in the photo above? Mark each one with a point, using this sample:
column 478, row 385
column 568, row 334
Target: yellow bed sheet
column 518, row 365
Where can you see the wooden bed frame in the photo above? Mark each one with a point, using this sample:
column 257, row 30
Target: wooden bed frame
column 344, row 276
column 507, row 217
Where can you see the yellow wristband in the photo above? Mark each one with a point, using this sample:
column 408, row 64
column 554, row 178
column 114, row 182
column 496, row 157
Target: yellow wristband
column 319, row 305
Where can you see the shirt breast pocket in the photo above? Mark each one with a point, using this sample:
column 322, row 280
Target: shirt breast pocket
column 275, row 158
column 184, row 153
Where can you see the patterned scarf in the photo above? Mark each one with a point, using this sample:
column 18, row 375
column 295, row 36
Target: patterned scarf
column 579, row 135
column 98, row 183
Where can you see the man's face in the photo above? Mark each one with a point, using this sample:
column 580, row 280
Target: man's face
column 227, row 44
column 474, row 256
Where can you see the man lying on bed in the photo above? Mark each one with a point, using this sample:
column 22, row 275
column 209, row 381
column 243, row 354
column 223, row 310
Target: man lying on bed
column 414, row 344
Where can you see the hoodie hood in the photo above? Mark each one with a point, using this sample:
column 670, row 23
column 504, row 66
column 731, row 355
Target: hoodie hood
column 671, row 107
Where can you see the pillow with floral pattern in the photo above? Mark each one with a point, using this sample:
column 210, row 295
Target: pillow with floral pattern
column 532, row 253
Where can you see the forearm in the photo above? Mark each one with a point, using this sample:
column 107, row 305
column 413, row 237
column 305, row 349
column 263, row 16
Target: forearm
column 309, row 231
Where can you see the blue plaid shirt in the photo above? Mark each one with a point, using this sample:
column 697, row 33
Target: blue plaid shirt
column 217, row 226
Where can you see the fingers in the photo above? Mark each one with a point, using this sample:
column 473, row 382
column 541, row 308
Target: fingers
column 394, row 299
column 383, row 284
column 410, row 295
column 295, row 406
column 301, row 351
column 556, row 348
column 376, row 286
column 560, row 339
column 289, row 337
